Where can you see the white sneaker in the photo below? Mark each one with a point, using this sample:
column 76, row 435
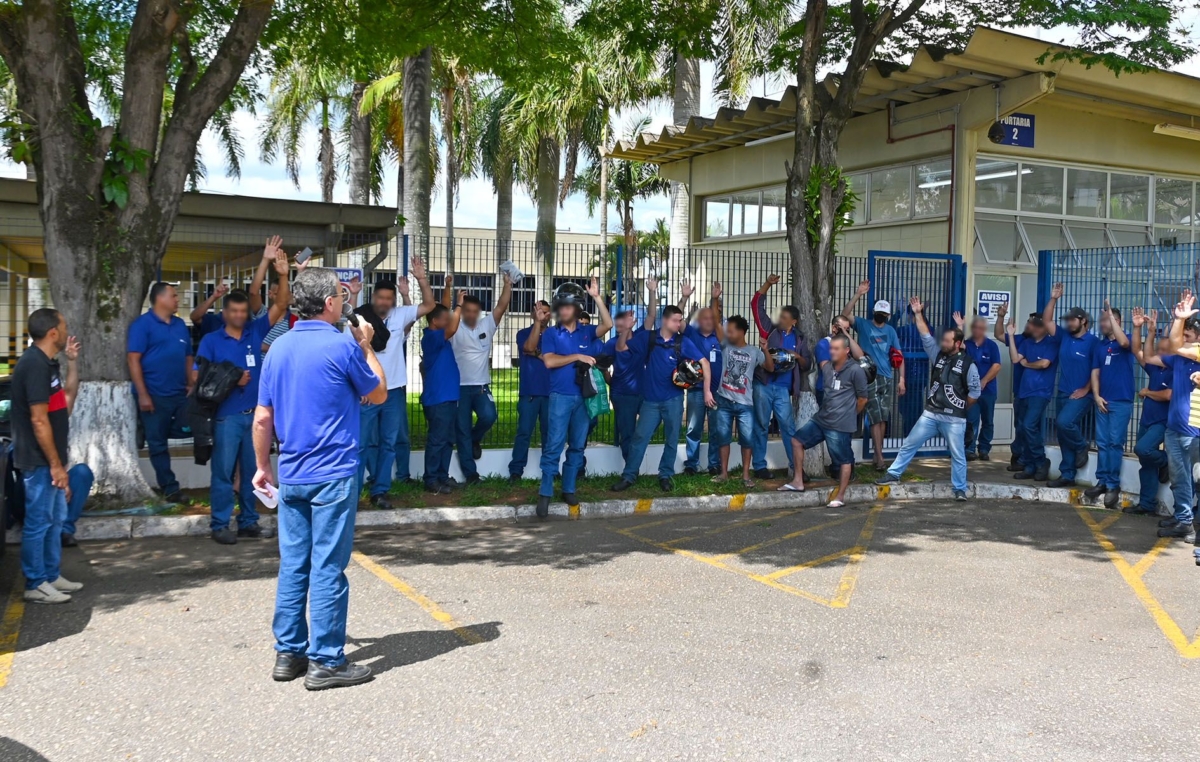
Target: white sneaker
column 45, row 593
column 65, row 585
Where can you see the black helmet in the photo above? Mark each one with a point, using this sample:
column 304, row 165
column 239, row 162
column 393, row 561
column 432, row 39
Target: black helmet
column 569, row 293
column 688, row 373
column 784, row 360
column 868, row 367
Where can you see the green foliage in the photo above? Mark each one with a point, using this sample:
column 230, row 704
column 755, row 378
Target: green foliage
column 832, row 178
column 122, row 161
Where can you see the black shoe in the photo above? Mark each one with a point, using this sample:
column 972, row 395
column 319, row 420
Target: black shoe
column 1015, row 460
column 714, row 470
column 1060, row 482
column 1014, row 467
column 175, row 497
column 665, row 484
column 476, row 450
column 255, row 532
column 224, row 536
column 514, row 478
column 689, row 471
column 1092, row 493
column 763, row 473
column 407, row 482
column 1112, row 498
column 1025, row 475
column 320, row 677
column 1043, row 473
column 543, row 506
column 887, row 478
column 570, row 499
column 1137, row 510
column 984, row 456
column 1081, row 459
column 380, row 501
column 451, row 483
column 1185, row 532
column 1167, row 522
column 1164, row 474
column 960, row 495
column 288, row 667
column 438, row 488
column 474, row 479
column 972, row 457
column 621, row 486
column 68, row 540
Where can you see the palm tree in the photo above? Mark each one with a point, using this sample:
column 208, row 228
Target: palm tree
column 300, row 92
column 455, row 107
column 657, row 237
column 498, row 160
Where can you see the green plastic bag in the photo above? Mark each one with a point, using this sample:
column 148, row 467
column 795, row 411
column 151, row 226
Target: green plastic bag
column 598, row 405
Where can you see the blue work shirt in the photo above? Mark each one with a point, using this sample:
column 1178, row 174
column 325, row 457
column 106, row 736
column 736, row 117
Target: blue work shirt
column 1017, row 370
column 627, row 367
column 439, row 368
column 1115, row 364
column 1181, row 394
column 710, row 347
column 534, row 375
column 314, row 377
column 1075, row 360
column 165, row 347
column 558, row 340
column 984, row 356
column 246, row 353
column 1155, row 411
column 784, row 377
column 1038, row 383
column 878, row 342
column 821, row 354
column 211, row 321
column 661, row 358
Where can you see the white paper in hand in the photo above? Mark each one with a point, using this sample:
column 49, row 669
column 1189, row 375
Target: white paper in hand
column 513, row 272
column 268, row 496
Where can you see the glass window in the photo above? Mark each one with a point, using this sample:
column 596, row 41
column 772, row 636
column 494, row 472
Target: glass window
column 933, row 188
column 999, row 240
column 1170, row 236
column 1086, row 193
column 1128, row 236
column 858, row 184
column 1129, row 197
column 773, row 214
column 995, row 184
column 890, row 194
column 1172, row 201
column 716, row 217
column 745, row 214
column 1045, row 236
column 1088, row 237
column 1041, row 189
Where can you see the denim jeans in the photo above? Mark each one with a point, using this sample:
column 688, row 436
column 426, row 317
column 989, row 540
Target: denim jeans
column 530, row 410
column 925, row 429
column 1071, row 438
column 158, row 426
column 233, row 446
column 568, row 427
column 1181, row 454
column 1033, row 429
column 383, row 427
column 41, row 535
column 1111, row 428
column 81, row 479
column 670, row 414
column 440, row 422
column 477, row 400
column 1018, row 443
column 727, row 412
column 772, row 399
column 981, row 424
column 625, row 413
column 1152, row 459
column 316, row 535
column 697, row 413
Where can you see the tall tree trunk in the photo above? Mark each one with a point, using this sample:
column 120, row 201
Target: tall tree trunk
column 504, row 212
column 325, row 155
column 548, row 157
column 687, row 105
column 360, row 148
column 604, row 185
column 451, row 171
column 416, row 92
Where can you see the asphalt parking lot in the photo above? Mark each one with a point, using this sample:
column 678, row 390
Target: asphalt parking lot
column 919, row 630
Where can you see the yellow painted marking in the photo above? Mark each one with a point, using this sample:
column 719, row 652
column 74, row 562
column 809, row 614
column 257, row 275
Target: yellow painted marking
column 573, row 511
column 10, row 628
column 841, row 599
column 1189, row 649
column 464, row 634
column 658, row 523
column 643, row 506
column 882, row 493
column 1108, row 521
column 790, row 536
column 734, row 525
column 810, row 564
column 1075, row 496
column 1143, row 566
column 737, row 502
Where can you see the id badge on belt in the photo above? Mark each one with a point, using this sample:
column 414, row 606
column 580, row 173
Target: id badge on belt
column 487, row 390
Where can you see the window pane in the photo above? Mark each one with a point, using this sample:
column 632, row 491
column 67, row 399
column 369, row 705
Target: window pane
column 890, row 194
column 1000, row 239
column 1087, row 237
column 772, row 210
column 716, row 217
column 858, row 184
column 933, row 188
column 1172, row 236
column 1045, row 236
column 1130, row 197
column 1086, row 191
column 1172, row 201
column 995, row 184
column 745, row 214
column 1041, row 189
column 1129, row 236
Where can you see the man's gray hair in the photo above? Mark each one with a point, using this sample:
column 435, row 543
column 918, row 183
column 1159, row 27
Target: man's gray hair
column 310, row 290
column 840, row 339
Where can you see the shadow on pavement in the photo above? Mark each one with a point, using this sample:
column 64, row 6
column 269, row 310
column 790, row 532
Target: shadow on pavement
column 14, row 751
column 401, row 649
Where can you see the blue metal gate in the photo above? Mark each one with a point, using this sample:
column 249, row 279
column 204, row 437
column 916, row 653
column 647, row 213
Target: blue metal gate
column 940, row 280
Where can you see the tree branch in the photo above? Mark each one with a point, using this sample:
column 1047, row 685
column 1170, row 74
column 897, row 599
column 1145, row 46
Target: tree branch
column 147, row 60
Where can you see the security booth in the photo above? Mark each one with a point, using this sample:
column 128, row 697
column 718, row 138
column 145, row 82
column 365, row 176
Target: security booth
column 993, row 154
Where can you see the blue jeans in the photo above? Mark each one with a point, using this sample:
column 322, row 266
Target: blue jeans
column 382, row 428
column 316, row 535
column 697, row 413
column 670, row 414
column 233, row 446
column 1033, row 429
column 530, row 410
column 980, row 424
column 925, row 429
column 81, row 479
column 1018, row 443
column 721, row 434
column 568, row 427
column 1181, row 454
column 157, row 427
column 1111, row 428
column 477, row 400
column 1071, row 439
column 41, row 535
column 1152, row 459
column 440, row 422
column 772, row 399
column 625, row 413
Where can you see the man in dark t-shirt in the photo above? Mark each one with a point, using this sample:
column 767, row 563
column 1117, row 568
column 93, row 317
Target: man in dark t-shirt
column 41, row 407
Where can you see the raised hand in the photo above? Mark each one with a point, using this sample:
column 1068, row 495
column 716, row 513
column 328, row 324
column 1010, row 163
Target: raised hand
column 1002, row 311
column 221, row 290
column 772, row 279
column 1107, row 309
column 1187, row 305
column 302, row 266
column 462, row 296
column 716, row 289
column 652, row 285
column 958, row 319
column 1153, row 319
column 1011, row 327
column 593, row 288
column 363, row 333
column 72, row 349
column 417, row 268
column 863, row 288
column 272, row 247
column 1139, row 317
column 281, row 263
column 354, row 285
column 914, row 303
column 1057, row 291
column 686, row 289
column 449, row 281
column 403, row 288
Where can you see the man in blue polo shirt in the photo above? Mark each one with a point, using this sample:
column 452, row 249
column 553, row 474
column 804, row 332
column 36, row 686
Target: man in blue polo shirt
column 1018, row 444
column 1156, row 400
column 308, row 397
column 1073, row 398
column 880, row 341
column 1112, row 388
column 985, row 353
column 159, row 354
column 1182, row 359
column 533, row 392
column 440, row 394
column 706, row 334
column 1037, row 356
column 238, row 341
column 625, row 391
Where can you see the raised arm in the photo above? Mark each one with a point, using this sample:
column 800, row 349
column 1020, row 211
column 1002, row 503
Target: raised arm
column 1118, row 328
column 918, row 309
column 860, row 291
column 279, row 307
column 716, row 306
column 758, row 306
column 455, row 314
column 1001, row 315
column 417, row 267
column 448, row 291
column 1048, row 311
column 1013, row 354
column 606, row 322
column 533, row 343
column 272, row 249
column 203, row 307
column 504, row 300
column 651, row 303
column 686, row 289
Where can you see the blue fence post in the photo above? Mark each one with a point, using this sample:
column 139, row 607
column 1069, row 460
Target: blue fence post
column 1045, row 277
column 404, row 254
column 620, row 279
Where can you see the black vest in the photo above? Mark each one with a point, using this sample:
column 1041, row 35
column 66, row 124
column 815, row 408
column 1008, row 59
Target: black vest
column 948, row 388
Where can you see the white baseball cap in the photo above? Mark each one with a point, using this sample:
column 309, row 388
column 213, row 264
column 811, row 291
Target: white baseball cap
column 883, row 306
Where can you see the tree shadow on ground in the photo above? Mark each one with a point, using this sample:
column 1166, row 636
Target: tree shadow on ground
column 402, row 649
column 14, row 751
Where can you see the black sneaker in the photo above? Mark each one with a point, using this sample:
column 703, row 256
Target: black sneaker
column 1031, row 476
column 1081, row 459
column 1185, row 532
column 887, row 478
column 714, row 470
column 476, row 450
column 438, row 488
column 972, row 457
column 514, row 478
column 689, row 471
column 1139, row 510
column 665, row 484
column 175, row 497
column 1167, row 522
column 381, row 502
column 763, row 473
column 224, row 536
column 543, row 506
column 1042, row 474
column 1014, row 467
column 474, row 479
column 1112, row 498
column 569, row 498
column 1015, row 460
column 621, row 486
column 984, row 456
column 320, row 677
column 255, row 532
column 1092, row 493
column 451, row 483
column 1060, row 482
column 288, row 667
column 68, row 540
column 960, row 495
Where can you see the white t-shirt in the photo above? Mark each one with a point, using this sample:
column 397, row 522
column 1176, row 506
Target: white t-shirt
column 473, row 351
column 391, row 359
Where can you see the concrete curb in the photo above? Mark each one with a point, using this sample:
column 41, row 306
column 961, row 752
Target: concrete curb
column 131, row 527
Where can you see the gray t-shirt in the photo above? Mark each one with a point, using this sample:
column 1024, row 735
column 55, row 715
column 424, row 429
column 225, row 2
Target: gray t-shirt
column 843, row 388
column 737, row 375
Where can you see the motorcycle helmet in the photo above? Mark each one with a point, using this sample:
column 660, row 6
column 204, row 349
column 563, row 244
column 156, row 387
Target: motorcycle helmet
column 783, row 360
column 569, row 293
column 868, row 367
column 688, row 373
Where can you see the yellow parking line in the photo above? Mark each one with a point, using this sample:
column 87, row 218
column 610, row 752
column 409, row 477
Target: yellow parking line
column 10, row 628
column 466, row 634
column 841, row 598
column 1143, row 566
column 790, row 536
column 810, row 564
column 1108, row 521
column 649, row 524
column 734, row 525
